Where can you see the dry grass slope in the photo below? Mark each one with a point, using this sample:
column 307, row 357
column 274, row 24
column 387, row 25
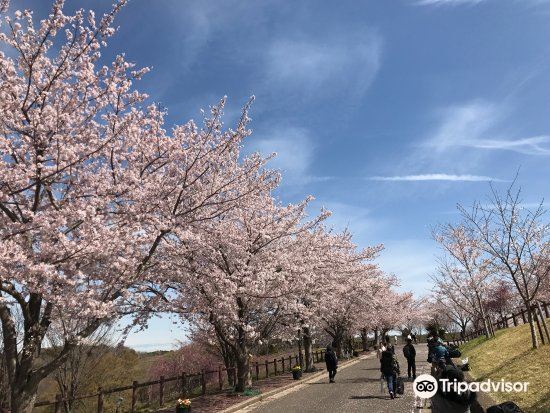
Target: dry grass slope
column 509, row 356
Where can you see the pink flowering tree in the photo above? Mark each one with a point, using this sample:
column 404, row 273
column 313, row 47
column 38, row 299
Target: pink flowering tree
column 516, row 240
column 240, row 276
column 465, row 273
column 353, row 280
column 324, row 257
column 92, row 186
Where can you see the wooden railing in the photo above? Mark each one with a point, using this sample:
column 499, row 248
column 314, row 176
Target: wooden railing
column 157, row 392
column 502, row 323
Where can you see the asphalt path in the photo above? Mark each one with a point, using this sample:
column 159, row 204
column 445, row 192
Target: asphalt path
column 358, row 388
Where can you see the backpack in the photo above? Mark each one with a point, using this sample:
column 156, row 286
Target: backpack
column 454, row 352
column 395, row 365
column 400, row 386
column 506, row 407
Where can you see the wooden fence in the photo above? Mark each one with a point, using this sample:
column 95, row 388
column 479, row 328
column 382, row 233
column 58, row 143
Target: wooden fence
column 516, row 319
column 157, row 392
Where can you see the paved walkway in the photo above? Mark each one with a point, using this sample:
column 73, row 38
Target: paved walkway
column 357, row 389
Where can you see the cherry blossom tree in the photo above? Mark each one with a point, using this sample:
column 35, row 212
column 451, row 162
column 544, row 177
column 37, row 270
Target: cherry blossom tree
column 352, row 284
column 464, row 276
column 517, row 240
column 92, row 187
column 326, row 259
column 452, row 310
column 240, row 276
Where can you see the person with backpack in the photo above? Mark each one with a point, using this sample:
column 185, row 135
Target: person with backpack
column 389, row 345
column 450, row 400
column 332, row 363
column 410, row 354
column 389, row 366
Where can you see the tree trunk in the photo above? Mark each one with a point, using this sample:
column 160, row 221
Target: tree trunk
column 244, row 377
column 300, row 354
column 543, row 321
column 539, row 327
column 534, row 340
column 376, row 338
column 364, row 339
column 337, row 342
column 308, row 349
column 22, row 400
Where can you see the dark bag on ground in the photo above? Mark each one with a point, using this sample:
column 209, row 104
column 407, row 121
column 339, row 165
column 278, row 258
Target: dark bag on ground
column 400, row 386
column 506, row 407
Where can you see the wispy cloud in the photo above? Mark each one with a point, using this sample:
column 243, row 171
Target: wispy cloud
column 343, row 63
column 529, row 146
column 476, row 125
column 295, row 150
column 447, row 2
column 436, row 177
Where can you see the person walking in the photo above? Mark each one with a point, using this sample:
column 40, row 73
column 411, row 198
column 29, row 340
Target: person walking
column 332, row 363
column 390, row 370
column 389, row 345
column 410, row 354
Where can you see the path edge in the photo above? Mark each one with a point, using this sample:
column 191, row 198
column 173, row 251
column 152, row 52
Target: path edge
column 312, row 378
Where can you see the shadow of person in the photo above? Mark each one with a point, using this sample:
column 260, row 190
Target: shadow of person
column 370, row 397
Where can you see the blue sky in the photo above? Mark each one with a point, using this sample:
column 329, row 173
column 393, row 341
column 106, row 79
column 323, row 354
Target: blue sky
column 388, row 112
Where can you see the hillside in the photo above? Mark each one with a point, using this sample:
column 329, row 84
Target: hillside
column 509, row 357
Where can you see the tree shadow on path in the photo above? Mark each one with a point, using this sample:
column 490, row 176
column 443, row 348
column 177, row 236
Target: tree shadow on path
column 370, row 397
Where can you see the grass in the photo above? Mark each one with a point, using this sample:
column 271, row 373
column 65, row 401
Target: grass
column 509, row 356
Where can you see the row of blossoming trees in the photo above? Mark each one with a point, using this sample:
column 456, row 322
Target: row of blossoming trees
column 496, row 260
column 104, row 213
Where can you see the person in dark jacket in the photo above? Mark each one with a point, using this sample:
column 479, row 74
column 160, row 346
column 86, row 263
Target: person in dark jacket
column 389, row 345
column 410, row 354
column 332, row 363
column 390, row 369
column 449, row 400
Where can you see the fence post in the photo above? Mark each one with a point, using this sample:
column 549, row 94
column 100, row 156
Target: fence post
column 203, row 380
column 266, row 369
column 134, row 396
column 99, row 400
column 161, row 391
column 283, row 363
column 220, row 376
column 58, row 402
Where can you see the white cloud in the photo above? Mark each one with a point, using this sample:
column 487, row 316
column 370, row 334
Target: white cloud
column 347, row 63
column 528, row 146
column 294, row 150
column 447, row 2
column 436, row 177
column 411, row 260
column 476, row 125
column 357, row 219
